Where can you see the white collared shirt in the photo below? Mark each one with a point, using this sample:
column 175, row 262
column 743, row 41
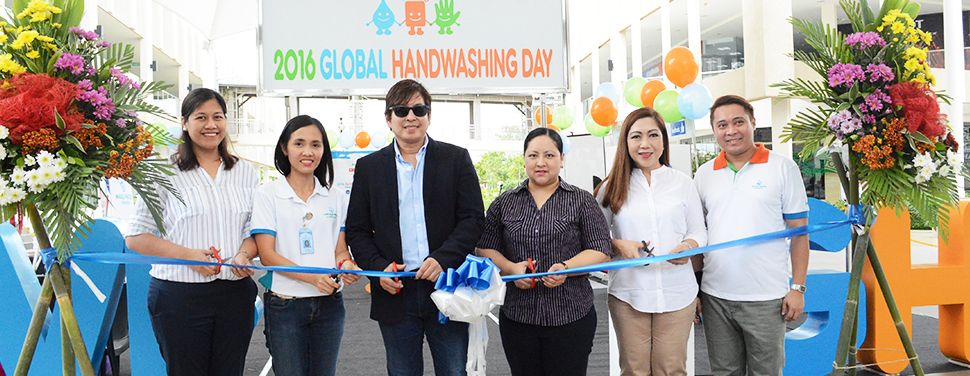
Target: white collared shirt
column 278, row 211
column 216, row 214
column 664, row 213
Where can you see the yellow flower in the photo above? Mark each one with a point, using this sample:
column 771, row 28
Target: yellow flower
column 17, row 44
column 879, row 29
column 50, row 46
column 898, row 27
column 2, row 24
column 895, row 39
column 8, row 65
column 28, row 36
column 3, row 38
column 56, row 25
column 44, row 38
column 33, row 54
column 926, row 37
column 911, row 65
column 911, row 39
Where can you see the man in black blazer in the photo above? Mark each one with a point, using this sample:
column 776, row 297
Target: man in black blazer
column 415, row 205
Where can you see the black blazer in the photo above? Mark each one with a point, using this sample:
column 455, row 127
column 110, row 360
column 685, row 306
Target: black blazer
column 453, row 211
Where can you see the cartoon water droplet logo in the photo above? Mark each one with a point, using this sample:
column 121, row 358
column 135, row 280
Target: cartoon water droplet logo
column 383, row 19
column 445, row 10
column 415, row 16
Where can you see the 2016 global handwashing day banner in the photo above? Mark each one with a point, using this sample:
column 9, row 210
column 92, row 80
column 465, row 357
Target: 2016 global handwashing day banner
column 310, row 47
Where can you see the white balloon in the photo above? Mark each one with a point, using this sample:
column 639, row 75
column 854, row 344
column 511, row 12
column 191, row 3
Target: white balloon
column 347, row 139
column 567, row 145
column 378, row 139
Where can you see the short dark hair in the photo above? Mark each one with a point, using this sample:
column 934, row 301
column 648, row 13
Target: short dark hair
column 543, row 131
column 732, row 99
column 185, row 156
column 323, row 172
column 401, row 93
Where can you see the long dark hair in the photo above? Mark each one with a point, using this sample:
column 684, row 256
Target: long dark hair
column 617, row 183
column 185, row 156
column 323, row 172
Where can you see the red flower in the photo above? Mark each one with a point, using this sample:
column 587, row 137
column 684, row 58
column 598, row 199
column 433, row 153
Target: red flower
column 28, row 103
column 917, row 104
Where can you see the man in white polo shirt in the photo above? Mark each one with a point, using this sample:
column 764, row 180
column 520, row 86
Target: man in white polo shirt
column 746, row 294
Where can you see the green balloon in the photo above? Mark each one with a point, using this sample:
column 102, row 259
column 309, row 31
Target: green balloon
column 595, row 129
column 333, row 138
column 562, row 118
column 390, row 137
column 632, row 89
column 666, row 105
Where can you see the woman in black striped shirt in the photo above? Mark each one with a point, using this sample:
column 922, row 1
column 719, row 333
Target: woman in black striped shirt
column 545, row 224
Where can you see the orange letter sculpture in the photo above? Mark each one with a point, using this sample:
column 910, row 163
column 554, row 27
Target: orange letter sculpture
column 943, row 284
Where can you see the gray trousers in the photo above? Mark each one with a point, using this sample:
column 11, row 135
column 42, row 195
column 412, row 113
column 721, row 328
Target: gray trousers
column 744, row 338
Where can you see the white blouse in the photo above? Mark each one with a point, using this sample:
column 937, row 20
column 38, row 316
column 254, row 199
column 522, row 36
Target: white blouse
column 216, row 213
column 663, row 213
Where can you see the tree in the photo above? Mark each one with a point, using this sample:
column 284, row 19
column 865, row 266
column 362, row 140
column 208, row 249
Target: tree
column 498, row 172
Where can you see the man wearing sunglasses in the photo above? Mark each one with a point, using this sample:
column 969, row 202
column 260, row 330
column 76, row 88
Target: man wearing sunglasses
column 415, row 206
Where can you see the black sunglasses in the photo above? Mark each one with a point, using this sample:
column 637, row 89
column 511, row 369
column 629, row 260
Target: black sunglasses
column 420, row 110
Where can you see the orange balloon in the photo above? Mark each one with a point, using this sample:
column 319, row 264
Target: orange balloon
column 535, row 116
column 680, row 67
column 604, row 111
column 555, row 128
column 363, row 139
column 650, row 91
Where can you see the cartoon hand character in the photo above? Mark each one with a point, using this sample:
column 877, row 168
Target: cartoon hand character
column 415, row 16
column 383, row 19
column 446, row 16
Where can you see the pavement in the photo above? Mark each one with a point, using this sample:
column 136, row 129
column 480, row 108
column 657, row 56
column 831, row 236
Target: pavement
column 362, row 351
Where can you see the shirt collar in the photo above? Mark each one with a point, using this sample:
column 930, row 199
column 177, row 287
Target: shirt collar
column 562, row 184
column 287, row 191
column 397, row 150
column 760, row 156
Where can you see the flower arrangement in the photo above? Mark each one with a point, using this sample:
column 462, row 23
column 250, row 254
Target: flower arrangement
column 877, row 103
column 69, row 118
column 880, row 118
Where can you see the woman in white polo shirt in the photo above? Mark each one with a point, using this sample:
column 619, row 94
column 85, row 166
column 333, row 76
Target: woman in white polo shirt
column 652, row 210
column 299, row 221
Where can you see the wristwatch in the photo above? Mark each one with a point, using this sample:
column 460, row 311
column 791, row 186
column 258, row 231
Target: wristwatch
column 797, row 287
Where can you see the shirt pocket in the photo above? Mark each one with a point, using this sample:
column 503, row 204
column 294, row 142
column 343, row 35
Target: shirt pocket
column 240, row 202
column 564, row 225
column 194, row 206
column 515, row 224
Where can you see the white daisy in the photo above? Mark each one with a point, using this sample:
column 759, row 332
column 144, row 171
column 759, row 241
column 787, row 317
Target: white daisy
column 952, row 158
column 922, row 160
column 16, row 194
column 18, row 176
column 33, row 178
column 944, row 170
column 38, row 188
column 60, row 163
column 45, row 158
column 29, row 160
column 4, row 133
column 46, row 175
column 923, row 175
column 3, row 150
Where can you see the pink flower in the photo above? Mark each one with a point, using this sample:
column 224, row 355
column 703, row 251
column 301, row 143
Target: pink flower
column 865, row 39
column 845, row 75
column 89, row 35
column 878, row 72
column 70, row 61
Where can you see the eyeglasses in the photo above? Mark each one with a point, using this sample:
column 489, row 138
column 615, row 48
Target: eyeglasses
column 420, row 110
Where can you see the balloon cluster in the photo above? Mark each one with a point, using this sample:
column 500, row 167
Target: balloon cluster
column 362, row 140
column 693, row 101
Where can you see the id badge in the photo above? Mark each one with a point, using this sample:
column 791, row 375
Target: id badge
column 306, row 241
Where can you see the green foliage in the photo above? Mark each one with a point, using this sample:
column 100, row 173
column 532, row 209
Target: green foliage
column 498, row 172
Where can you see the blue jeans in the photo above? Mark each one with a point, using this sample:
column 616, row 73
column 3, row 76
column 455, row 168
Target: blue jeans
column 303, row 334
column 404, row 341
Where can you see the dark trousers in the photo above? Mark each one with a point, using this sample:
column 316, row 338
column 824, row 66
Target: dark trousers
column 203, row 328
column 548, row 350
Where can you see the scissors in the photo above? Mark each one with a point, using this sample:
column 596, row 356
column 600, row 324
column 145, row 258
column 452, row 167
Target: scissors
column 532, row 269
column 215, row 254
column 648, row 250
column 396, row 279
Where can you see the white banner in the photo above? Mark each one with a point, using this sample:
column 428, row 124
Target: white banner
column 362, row 47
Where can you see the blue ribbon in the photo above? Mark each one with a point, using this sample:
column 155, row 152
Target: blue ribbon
column 49, row 257
column 475, row 272
column 132, row 258
column 613, row 265
column 862, row 214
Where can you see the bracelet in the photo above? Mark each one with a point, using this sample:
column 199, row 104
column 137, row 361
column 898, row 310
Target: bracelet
column 688, row 245
column 247, row 254
column 564, row 264
column 340, row 265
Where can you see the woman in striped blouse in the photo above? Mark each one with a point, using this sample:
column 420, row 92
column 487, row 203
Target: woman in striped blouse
column 544, row 224
column 202, row 315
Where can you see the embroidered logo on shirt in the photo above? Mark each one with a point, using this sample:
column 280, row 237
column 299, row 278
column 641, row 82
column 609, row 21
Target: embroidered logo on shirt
column 759, row 185
column 332, row 214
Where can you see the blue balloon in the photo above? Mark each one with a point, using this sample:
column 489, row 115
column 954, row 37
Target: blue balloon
column 567, row 145
column 607, row 89
column 176, row 132
column 348, row 139
column 695, row 101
